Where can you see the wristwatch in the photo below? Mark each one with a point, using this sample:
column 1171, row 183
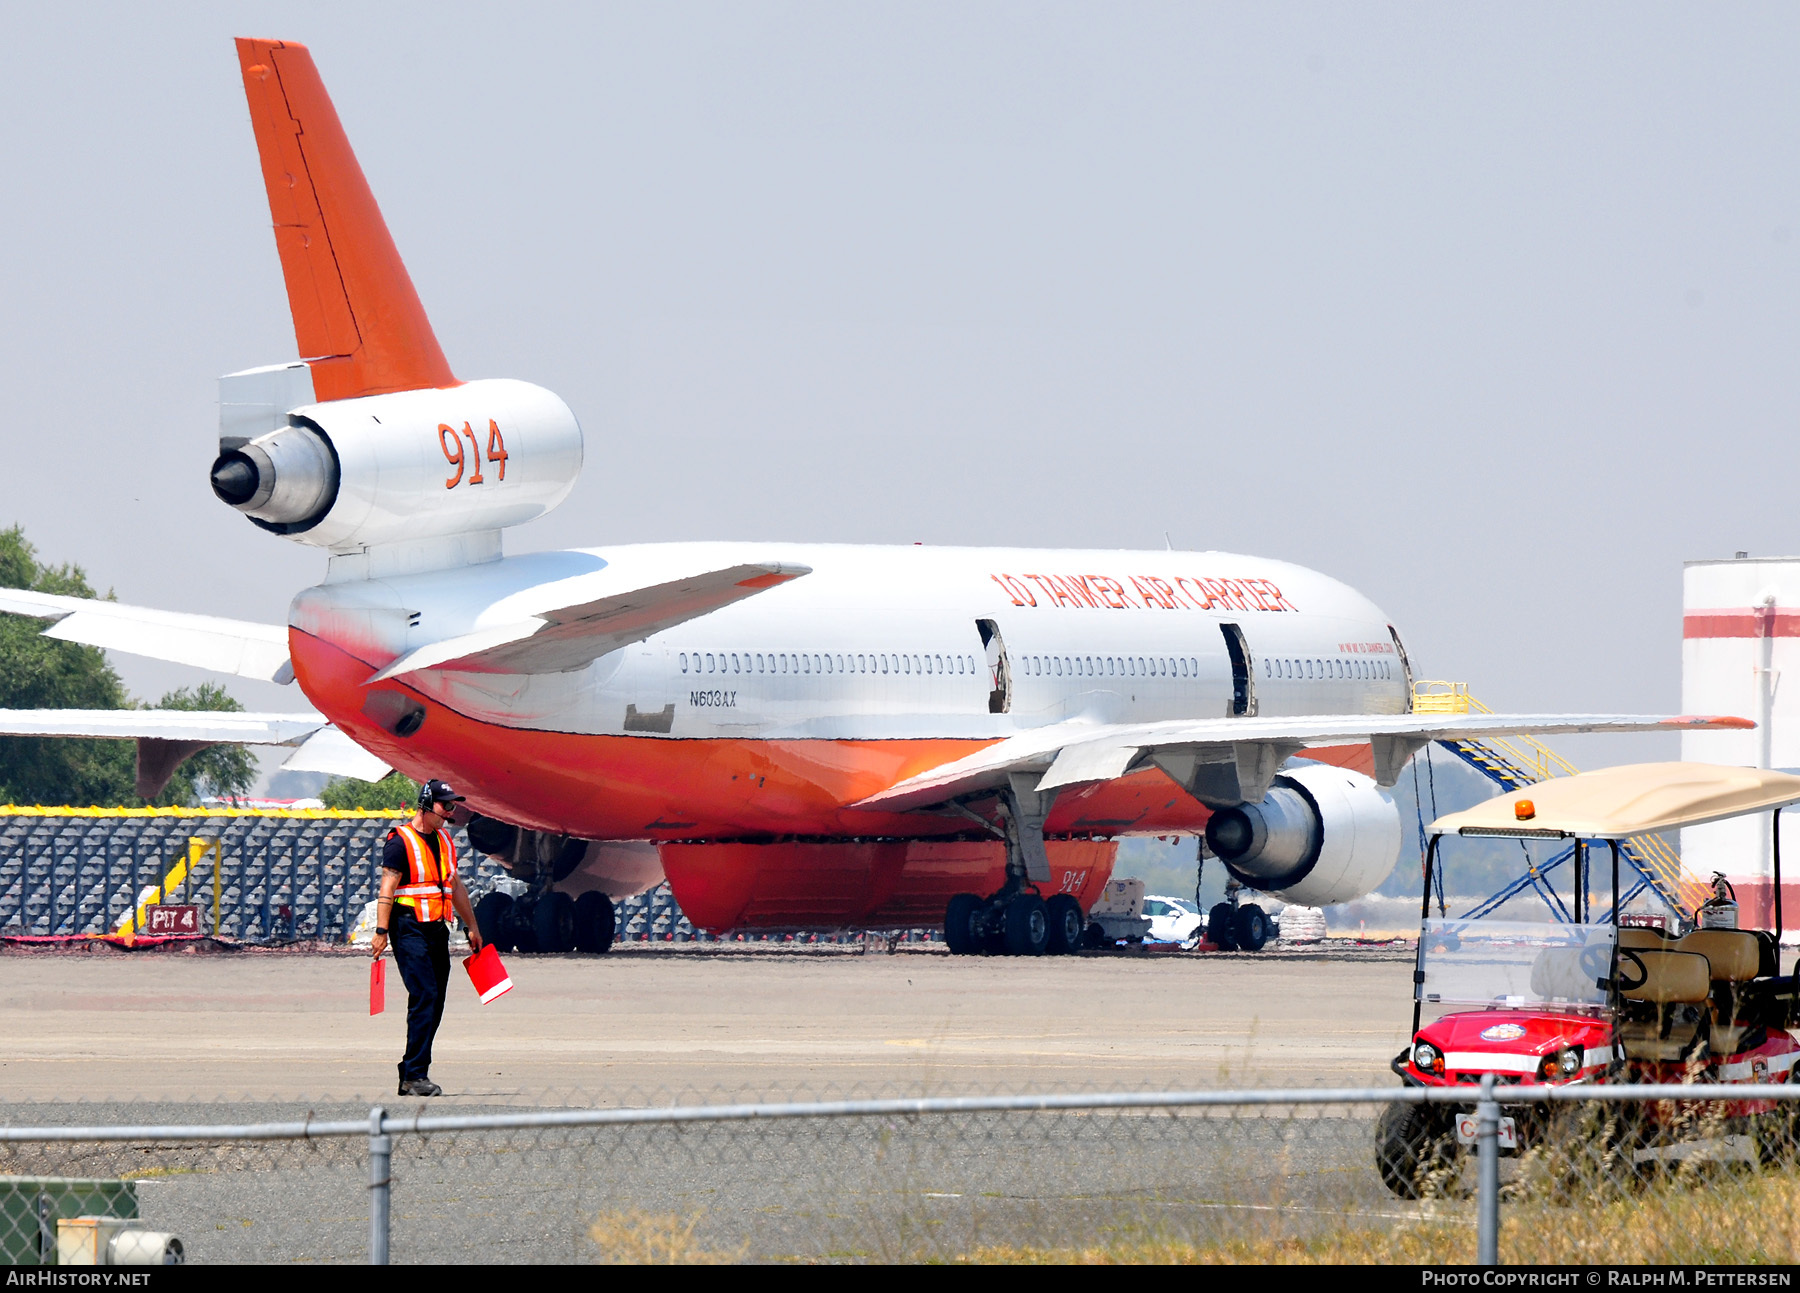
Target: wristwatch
column 380, row 929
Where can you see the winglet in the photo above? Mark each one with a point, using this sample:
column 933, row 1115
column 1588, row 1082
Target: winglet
column 357, row 319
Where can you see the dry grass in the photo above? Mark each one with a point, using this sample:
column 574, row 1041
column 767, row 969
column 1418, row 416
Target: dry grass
column 637, row 1238
column 1705, row 1218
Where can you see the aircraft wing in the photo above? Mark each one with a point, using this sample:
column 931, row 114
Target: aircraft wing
column 164, row 736
column 212, row 726
column 564, row 638
column 1234, row 759
column 217, row 645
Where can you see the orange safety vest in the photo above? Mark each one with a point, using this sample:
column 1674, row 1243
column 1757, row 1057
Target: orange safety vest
column 428, row 886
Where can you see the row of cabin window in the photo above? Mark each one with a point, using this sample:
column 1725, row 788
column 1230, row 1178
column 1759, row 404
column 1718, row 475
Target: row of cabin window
column 1373, row 669
column 1108, row 666
column 822, row 662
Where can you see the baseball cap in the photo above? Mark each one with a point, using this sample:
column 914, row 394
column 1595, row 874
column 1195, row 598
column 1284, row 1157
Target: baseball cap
column 437, row 792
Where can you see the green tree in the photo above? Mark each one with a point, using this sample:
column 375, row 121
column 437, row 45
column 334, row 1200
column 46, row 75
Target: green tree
column 392, row 791
column 37, row 672
column 224, row 771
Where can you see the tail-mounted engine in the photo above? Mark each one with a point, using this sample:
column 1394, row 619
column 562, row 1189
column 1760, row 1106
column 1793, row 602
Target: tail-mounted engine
column 398, row 467
column 1321, row 835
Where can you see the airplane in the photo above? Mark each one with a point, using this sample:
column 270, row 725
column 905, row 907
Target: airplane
column 794, row 735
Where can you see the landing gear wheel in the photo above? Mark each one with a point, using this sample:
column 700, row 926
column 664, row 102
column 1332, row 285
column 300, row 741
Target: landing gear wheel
column 554, row 923
column 993, row 929
column 962, row 925
column 1415, row 1151
column 1066, row 924
column 1221, row 930
column 519, row 930
column 595, row 923
column 493, row 919
column 1027, row 926
column 1251, row 926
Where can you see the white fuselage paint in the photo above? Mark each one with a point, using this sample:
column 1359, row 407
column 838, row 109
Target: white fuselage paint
column 883, row 643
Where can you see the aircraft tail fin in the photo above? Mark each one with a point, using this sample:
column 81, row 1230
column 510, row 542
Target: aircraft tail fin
column 357, row 318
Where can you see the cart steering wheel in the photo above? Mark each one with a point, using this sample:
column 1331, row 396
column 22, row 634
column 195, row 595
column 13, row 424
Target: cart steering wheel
column 1626, row 982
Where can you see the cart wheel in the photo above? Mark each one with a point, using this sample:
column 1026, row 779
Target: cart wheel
column 1774, row 1133
column 1066, row 924
column 1096, row 938
column 1415, row 1151
column 1220, row 931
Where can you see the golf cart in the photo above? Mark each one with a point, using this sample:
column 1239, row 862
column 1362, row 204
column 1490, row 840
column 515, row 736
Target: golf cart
column 1587, row 1001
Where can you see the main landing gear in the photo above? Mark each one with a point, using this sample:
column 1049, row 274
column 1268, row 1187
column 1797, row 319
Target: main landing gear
column 528, row 915
column 1018, row 920
column 1016, row 923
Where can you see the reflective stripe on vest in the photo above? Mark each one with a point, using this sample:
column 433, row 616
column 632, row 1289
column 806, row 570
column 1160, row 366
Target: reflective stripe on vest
column 427, row 891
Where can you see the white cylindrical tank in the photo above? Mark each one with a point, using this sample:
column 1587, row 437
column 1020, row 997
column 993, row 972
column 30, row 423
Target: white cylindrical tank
column 1740, row 634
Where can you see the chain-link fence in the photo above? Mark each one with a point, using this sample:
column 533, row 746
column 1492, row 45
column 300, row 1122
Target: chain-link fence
column 1577, row 1174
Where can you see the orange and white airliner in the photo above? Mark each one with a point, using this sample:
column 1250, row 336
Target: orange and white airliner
column 795, row 735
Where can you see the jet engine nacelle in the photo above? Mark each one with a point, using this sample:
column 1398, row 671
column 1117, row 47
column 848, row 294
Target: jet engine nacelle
column 408, row 465
column 1321, row 835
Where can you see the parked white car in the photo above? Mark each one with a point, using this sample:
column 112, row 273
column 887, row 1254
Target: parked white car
column 1172, row 920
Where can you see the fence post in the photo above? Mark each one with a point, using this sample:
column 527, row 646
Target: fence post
column 381, row 1149
column 1487, row 1198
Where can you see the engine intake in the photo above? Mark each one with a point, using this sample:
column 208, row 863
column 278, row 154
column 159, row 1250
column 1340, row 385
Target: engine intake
column 1321, row 835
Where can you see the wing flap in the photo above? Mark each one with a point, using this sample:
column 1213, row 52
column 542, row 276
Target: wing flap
column 329, row 750
column 566, row 638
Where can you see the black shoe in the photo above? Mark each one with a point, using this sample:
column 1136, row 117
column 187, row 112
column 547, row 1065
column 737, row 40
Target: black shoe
column 420, row 1086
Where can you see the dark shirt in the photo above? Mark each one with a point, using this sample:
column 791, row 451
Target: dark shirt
column 393, row 853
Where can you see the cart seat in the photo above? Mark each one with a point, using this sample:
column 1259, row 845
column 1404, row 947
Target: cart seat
column 1668, row 976
column 1735, row 955
column 1672, row 982
column 1640, row 937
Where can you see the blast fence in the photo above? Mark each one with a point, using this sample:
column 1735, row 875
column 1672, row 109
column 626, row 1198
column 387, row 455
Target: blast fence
column 255, row 876
column 1585, row 1174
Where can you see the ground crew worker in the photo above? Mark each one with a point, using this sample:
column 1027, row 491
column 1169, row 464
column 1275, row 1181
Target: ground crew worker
column 419, row 887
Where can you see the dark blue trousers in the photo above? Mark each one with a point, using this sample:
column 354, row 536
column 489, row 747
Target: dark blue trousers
column 422, row 951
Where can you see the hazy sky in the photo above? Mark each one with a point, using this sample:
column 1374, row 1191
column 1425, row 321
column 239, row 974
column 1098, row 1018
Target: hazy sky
column 1490, row 311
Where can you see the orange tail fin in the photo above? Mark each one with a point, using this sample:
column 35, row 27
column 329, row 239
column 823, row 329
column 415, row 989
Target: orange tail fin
column 356, row 316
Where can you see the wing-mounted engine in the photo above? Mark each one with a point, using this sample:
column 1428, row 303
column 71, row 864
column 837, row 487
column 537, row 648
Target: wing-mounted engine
column 1321, row 835
column 406, row 465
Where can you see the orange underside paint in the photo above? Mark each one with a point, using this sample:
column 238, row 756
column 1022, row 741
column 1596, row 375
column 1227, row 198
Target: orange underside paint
column 701, row 799
column 646, row 787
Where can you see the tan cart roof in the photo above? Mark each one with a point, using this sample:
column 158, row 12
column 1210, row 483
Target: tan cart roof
column 1614, row 803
